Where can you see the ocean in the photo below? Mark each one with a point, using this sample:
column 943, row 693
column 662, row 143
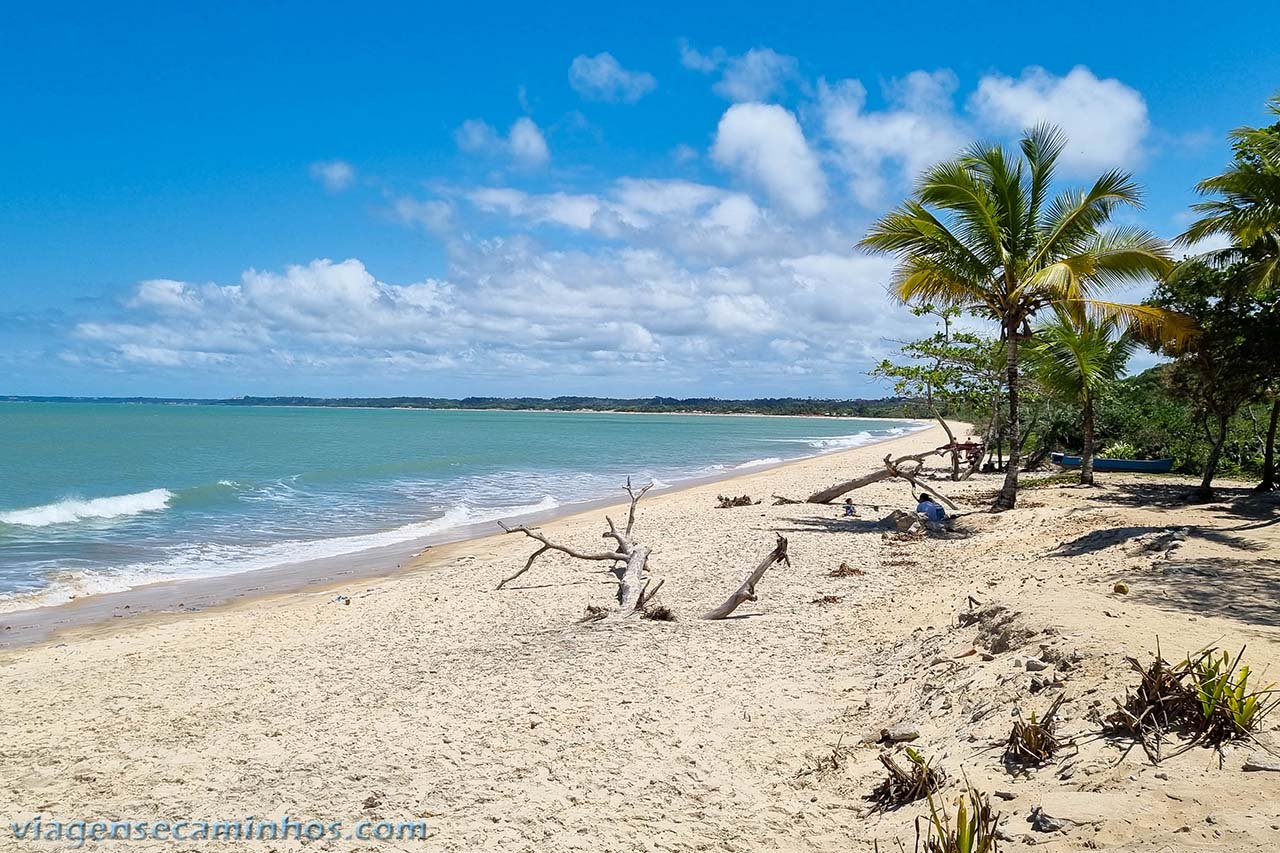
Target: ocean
column 103, row 497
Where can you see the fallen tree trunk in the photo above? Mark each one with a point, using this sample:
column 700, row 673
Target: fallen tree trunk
column 892, row 468
column 747, row 592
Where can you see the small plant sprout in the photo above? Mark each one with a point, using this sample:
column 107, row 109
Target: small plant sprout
column 1230, row 707
column 971, row 830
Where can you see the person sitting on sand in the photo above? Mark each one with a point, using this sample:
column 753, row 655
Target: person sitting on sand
column 931, row 509
column 849, row 510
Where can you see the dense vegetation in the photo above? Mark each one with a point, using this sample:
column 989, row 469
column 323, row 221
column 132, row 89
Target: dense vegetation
column 890, row 407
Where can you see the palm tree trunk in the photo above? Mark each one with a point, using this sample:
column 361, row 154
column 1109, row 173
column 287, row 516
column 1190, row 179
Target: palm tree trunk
column 1268, row 483
column 1205, row 492
column 1086, row 454
column 1008, row 495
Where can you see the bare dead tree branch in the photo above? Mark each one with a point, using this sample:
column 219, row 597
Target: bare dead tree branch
column 747, row 591
column 548, row 545
column 635, row 499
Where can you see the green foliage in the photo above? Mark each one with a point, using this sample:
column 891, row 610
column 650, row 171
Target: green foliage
column 1207, row 697
column 1230, row 707
column 1234, row 359
column 1077, row 359
column 972, row 829
column 952, row 373
column 1243, row 204
column 984, row 233
column 1120, row 450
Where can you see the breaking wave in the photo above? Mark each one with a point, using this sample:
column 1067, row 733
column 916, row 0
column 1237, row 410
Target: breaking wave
column 74, row 509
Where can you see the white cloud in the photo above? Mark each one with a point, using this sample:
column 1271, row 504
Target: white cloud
column 335, row 175
column 1104, row 119
column 760, row 74
column 764, row 144
column 434, row 215
column 475, row 136
column 602, row 78
column 524, row 142
column 874, row 148
column 527, row 144
column 643, row 284
column 695, row 60
column 512, row 310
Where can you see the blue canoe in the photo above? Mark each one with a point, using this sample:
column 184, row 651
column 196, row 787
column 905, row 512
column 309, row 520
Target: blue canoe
column 1101, row 463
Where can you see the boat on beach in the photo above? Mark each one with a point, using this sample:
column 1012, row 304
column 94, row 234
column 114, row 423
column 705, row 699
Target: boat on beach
column 1102, row 463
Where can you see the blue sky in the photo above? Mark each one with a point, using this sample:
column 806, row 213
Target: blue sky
column 501, row 199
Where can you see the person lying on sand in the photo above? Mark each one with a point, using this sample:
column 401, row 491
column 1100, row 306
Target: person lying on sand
column 931, row 509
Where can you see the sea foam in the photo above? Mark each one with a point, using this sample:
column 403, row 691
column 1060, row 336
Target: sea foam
column 74, row 509
column 203, row 561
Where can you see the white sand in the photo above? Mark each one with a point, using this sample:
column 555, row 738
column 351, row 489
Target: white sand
column 506, row 725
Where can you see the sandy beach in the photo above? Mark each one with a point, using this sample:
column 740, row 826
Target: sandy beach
column 503, row 723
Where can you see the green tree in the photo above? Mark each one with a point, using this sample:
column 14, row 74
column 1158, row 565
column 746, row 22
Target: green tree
column 983, row 233
column 1243, row 205
column 953, row 373
column 1077, row 361
column 1226, row 364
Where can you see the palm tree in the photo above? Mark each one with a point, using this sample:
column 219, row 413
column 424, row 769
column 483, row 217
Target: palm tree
column 1244, row 206
column 981, row 233
column 1075, row 362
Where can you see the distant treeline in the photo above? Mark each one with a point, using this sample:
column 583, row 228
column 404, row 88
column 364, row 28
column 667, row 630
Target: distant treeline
column 890, row 407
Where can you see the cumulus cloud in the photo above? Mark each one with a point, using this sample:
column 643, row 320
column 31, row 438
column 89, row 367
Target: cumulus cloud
column 527, row 144
column 763, row 143
column 918, row 128
column 513, row 307
column 760, row 74
column 602, row 78
column 335, row 175
column 1104, row 119
column 524, row 143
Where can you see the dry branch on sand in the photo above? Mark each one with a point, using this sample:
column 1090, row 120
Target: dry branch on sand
column 630, row 563
column 905, row 785
column 844, row 570
column 1034, row 742
column 904, row 467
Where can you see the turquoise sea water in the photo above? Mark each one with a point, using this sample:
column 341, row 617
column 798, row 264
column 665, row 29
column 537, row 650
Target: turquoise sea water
column 98, row 497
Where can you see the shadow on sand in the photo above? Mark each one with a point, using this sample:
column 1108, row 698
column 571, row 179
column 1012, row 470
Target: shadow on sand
column 1244, row 590
column 1098, row 540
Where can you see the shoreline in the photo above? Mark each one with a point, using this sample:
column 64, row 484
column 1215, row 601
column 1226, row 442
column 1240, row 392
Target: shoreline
column 182, row 597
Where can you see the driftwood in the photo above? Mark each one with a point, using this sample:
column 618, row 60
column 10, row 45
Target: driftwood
column 892, row 468
column 747, row 592
column 723, row 502
column 630, row 560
